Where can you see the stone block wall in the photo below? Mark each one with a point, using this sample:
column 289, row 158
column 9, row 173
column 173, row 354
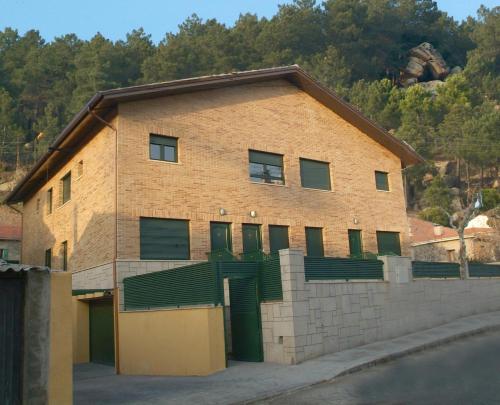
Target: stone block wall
column 320, row 317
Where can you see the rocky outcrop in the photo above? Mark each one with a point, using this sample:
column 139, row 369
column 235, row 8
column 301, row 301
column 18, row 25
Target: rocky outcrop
column 425, row 64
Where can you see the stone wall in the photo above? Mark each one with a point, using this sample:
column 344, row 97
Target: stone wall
column 319, row 317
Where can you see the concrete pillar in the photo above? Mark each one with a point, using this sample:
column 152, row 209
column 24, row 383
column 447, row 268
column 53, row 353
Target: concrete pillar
column 397, row 269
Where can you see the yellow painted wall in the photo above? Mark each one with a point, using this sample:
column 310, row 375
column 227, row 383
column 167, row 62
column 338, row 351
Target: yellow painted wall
column 80, row 331
column 61, row 365
column 176, row 342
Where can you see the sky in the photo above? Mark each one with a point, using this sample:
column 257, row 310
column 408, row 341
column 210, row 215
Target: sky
column 114, row 18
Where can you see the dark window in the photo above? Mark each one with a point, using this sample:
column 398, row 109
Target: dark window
column 382, row 181
column 388, row 243
column 163, row 148
column 66, row 188
column 314, row 242
column 266, row 167
column 50, row 196
column 4, row 254
column 278, row 238
column 314, row 174
column 164, row 239
column 220, row 237
column 80, row 169
column 252, row 239
column 48, row 258
column 64, row 247
column 355, row 244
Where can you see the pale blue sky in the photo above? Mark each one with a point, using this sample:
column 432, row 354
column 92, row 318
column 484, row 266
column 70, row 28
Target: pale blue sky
column 114, row 18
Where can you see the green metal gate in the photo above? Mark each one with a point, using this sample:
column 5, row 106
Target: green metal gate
column 102, row 337
column 246, row 329
column 11, row 338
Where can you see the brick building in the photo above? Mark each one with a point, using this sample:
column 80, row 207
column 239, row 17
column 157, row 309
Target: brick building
column 152, row 176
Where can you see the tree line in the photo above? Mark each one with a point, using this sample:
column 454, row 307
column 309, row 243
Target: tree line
column 355, row 47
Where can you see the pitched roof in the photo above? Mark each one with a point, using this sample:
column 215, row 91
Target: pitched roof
column 106, row 101
column 424, row 231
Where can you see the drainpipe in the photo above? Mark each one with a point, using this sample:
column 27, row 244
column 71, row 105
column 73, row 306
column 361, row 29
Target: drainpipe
column 116, row 300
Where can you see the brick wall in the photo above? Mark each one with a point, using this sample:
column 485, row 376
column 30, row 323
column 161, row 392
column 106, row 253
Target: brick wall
column 216, row 129
column 86, row 221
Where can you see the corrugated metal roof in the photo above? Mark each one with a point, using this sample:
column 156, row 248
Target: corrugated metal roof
column 5, row 266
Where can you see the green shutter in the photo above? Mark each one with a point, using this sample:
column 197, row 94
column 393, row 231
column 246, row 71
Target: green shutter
column 66, row 188
column 278, row 238
column 163, row 140
column 355, row 246
column 315, row 174
column 164, row 239
column 5, row 254
column 220, row 236
column 266, row 158
column 252, row 239
column 382, row 181
column 388, row 243
column 314, row 242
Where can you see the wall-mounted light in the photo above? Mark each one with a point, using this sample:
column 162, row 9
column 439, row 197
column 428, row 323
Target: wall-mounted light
column 355, row 220
column 253, row 214
column 222, row 211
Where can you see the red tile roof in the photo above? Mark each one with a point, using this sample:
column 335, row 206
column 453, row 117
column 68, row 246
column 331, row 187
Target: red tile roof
column 425, row 231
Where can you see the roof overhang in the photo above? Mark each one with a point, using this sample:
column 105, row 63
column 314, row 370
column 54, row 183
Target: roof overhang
column 85, row 122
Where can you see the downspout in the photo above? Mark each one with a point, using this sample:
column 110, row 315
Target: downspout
column 116, row 298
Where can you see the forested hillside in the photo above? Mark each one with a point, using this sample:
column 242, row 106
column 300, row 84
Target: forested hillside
column 356, row 47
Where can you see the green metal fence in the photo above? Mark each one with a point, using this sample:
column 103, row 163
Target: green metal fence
column 197, row 284
column 484, row 270
column 333, row 268
column 270, row 280
column 435, row 270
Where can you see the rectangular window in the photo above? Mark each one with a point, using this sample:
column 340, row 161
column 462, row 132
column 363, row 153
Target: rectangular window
column 66, row 188
column 314, row 174
column 355, row 243
column 382, row 181
column 388, row 243
column 50, row 196
column 37, row 205
column 4, row 254
column 266, row 167
column 80, row 169
column 314, row 242
column 48, row 258
column 252, row 238
column 220, row 237
column 164, row 239
column 64, row 248
column 278, row 238
column 162, row 148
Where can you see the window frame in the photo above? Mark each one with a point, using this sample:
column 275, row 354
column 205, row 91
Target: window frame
column 253, row 159
column 164, row 141
column 302, row 176
column 48, row 257
column 64, row 248
column 379, row 235
column 50, row 200
column 258, row 227
column 386, row 181
column 287, row 228
column 308, row 241
column 144, row 256
column 66, row 177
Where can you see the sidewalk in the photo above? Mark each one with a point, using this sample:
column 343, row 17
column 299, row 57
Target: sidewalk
column 248, row 382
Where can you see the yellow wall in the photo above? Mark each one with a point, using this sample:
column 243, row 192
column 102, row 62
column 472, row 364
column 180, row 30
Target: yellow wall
column 174, row 342
column 61, row 366
column 80, row 331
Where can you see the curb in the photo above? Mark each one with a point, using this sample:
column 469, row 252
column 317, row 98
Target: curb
column 382, row 359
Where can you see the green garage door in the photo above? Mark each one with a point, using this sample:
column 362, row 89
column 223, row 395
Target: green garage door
column 102, row 343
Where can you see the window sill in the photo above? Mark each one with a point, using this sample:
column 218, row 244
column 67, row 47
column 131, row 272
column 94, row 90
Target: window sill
column 384, row 191
column 269, row 184
column 165, row 161
column 317, row 189
column 62, row 205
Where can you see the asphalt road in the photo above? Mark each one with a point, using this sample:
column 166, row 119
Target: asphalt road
column 465, row 371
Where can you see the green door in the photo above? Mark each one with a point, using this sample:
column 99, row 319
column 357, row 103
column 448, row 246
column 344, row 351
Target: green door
column 220, row 236
column 245, row 320
column 355, row 246
column 252, row 239
column 102, row 336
